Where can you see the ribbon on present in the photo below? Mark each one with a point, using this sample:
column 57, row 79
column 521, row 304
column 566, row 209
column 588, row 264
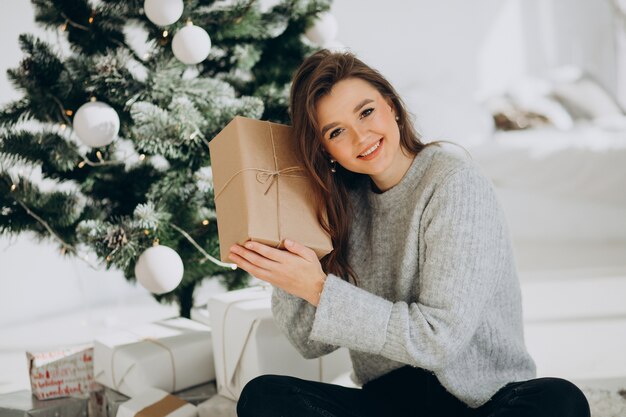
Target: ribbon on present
column 263, row 290
column 116, row 384
column 163, row 407
column 265, row 175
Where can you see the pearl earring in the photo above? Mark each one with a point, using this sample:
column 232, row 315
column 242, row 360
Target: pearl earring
column 397, row 118
column 332, row 167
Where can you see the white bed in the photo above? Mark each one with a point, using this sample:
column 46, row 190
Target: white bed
column 562, row 189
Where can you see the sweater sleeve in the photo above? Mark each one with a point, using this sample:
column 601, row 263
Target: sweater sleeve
column 294, row 317
column 464, row 236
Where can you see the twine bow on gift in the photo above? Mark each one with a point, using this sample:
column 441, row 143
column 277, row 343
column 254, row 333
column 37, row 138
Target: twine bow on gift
column 272, row 176
column 265, row 175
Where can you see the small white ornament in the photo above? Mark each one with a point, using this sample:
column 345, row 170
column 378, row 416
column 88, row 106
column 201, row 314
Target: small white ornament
column 159, row 269
column 96, row 124
column 163, row 12
column 324, row 30
column 191, row 45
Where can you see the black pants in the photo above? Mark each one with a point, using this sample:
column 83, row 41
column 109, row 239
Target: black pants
column 407, row 391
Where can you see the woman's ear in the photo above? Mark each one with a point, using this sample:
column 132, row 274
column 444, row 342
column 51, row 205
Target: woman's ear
column 392, row 107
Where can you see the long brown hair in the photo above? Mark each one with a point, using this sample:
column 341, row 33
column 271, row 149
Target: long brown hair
column 313, row 80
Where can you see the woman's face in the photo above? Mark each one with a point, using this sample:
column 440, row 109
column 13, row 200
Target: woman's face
column 359, row 129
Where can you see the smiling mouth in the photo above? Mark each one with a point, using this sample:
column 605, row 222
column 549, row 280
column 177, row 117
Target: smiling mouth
column 371, row 150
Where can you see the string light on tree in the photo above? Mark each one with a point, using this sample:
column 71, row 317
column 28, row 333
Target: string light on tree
column 159, row 269
column 191, row 44
column 324, row 30
column 163, row 12
column 96, row 124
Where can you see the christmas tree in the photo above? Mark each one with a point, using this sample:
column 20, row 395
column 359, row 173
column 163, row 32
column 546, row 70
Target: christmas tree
column 118, row 118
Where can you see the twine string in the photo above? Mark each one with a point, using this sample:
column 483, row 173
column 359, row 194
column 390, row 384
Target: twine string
column 255, row 323
column 116, row 384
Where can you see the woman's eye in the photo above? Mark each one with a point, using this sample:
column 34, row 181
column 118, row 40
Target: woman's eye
column 366, row 112
column 335, row 133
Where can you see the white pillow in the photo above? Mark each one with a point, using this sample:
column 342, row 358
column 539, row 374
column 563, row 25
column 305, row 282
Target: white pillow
column 585, row 98
column 532, row 94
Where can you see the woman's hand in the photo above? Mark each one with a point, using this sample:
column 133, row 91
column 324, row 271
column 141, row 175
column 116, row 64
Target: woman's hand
column 296, row 270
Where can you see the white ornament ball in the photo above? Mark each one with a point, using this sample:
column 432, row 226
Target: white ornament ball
column 191, row 45
column 96, row 124
column 159, row 269
column 163, row 12
column 324, row 30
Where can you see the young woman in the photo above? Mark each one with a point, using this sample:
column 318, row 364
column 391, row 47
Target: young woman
column 421, row 286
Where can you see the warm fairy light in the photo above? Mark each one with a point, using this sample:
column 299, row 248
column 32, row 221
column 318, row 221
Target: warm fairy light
column 108, row 259
column 92, row 98
column 142, row 157
column 99, row 155
column 165, row 33
column 146, row 232
column 189, row 22
column 91, row 19
column 69, row 112
column 146, row 56
column 193, row 135
column 63, row 27
column 81, row 164
column 205, row 222
column 63, row 126
column 13, row 187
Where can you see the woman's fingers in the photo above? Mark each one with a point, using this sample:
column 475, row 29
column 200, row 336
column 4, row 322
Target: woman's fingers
column 300, row 249
column 268, row 252
column 246, row 265
column 253, row 257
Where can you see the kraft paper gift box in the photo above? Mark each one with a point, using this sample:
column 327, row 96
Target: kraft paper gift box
column 154, row 402
column 62, row 373
column 24, row 404
column 194, row 395
column 247, row 343
column 170, row 355
column 261, row 190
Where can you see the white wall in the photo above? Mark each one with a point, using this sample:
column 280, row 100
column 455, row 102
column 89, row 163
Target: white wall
column 484, row 44
column 452, row 45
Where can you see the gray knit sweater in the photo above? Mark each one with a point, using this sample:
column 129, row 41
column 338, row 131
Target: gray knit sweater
column 437, row 284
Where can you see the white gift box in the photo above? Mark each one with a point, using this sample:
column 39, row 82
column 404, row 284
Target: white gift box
column 154, row 402
column 171, row 355
column 62, row 373
column 247, row 343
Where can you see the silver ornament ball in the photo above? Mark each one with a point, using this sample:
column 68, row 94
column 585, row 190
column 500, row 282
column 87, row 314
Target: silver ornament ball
column 163, row 12
column 96, row 124
column 191, row 45
column 324, row 29
column 159, row 269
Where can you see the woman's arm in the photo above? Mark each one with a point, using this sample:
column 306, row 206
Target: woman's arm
column 294, row 317
column 467, row 254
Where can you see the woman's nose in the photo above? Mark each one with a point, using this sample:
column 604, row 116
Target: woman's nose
column 361, row 134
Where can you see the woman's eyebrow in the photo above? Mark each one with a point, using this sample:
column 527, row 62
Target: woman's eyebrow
column 356, row 109
column 361, row 104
